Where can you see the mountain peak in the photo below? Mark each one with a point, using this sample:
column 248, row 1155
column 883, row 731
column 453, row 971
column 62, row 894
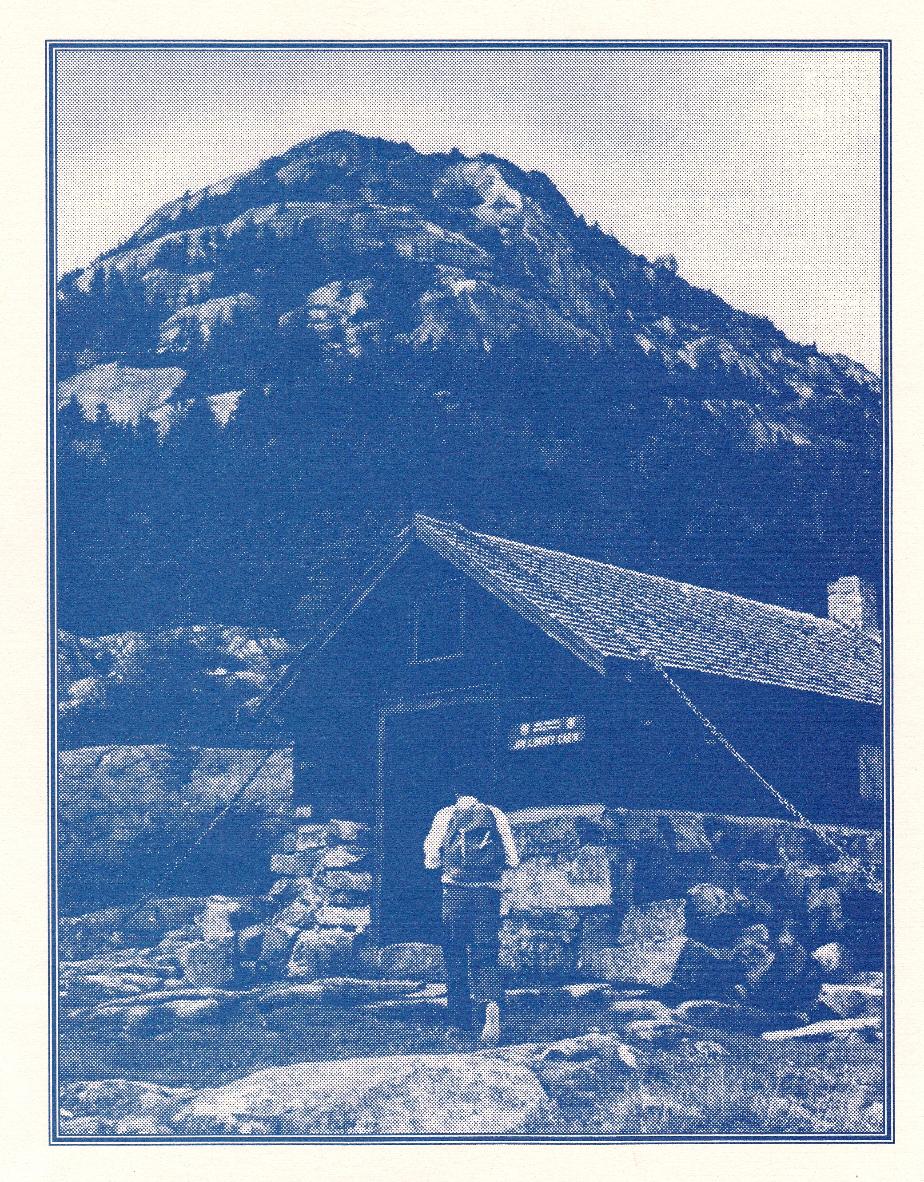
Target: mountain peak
column 438, row 328
column 349, row 244
column 344, row 141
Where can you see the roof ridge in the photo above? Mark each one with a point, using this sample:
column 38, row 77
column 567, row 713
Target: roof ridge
column 581, row 645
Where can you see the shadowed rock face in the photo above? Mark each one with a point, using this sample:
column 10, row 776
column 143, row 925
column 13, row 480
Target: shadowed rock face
column 129, row 815
column 182, row 682
column 354, row 330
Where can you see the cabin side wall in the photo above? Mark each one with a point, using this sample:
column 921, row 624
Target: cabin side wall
column 639, row 746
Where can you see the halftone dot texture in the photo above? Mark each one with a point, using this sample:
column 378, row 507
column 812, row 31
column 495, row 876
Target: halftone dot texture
column 758, row 170
column 218, row 975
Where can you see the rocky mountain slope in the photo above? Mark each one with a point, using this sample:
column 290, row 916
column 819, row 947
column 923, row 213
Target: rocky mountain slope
column 372, row 330
column 135, row 686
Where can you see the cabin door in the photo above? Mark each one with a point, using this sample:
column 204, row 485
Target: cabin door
column 428, row 752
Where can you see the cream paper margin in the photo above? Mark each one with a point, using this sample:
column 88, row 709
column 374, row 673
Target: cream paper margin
column 24, row 1152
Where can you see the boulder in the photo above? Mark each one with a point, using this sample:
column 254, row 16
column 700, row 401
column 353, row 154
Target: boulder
column 355, row 919
column 874, row 978
column 129, row 960
column 311, row 837
column 97, row 987
column 146, row 1021
column 192, row 1012
column 559, row 829
column 588, row 996
column 826, row 1029
column 556, row 882
column 660, row 920
column 633, row 1009
column 285, row 890
column 640, row 962
column 684, row 965
column 208, row 962
column 654, row 1033
column 297, row 914
column 538, row 949
column 348, row 880
column 337, row 991
column 718, row 1015
column 301, row 864
column 349, row 832
column 396, row 1095
column 422, row 961
column 159, row 916
column 684, row 833
column 832, row 960
column 215, row 921
column 418, row 1007
column 113, row 1099
column 343, row 857
column 317, row 952
column 852, row 1001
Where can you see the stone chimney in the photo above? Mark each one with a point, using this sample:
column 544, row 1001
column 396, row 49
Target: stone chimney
column 852, row 602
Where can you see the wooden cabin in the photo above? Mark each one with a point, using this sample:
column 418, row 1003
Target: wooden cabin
column 529, row 677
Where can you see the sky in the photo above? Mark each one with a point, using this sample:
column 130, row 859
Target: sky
column 758, row 170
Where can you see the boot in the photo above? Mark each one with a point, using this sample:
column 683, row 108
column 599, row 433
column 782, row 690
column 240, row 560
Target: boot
column 490, row 1034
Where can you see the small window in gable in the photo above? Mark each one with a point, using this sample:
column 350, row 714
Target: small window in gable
column 438, row 624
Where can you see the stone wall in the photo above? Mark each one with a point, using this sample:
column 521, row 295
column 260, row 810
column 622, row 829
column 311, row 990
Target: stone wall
column 620, row 895
column 702, row 905
column 651, row 884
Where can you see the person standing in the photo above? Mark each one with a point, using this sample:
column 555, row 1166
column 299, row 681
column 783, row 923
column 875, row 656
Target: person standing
column 472, row 844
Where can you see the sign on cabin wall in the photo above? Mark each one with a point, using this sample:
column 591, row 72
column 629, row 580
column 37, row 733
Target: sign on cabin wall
column 547, row 732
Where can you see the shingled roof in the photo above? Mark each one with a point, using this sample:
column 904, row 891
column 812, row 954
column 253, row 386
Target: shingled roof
column 605, row 613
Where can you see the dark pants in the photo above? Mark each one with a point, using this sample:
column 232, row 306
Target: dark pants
column 471, row 918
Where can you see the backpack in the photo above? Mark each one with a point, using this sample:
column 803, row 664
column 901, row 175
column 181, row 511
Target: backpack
column 473, row 851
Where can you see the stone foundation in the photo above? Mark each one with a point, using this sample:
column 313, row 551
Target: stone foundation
column 592, row 880
column 701, row 905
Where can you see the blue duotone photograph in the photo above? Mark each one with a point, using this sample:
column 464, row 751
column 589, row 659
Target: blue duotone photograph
column 469, row 567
